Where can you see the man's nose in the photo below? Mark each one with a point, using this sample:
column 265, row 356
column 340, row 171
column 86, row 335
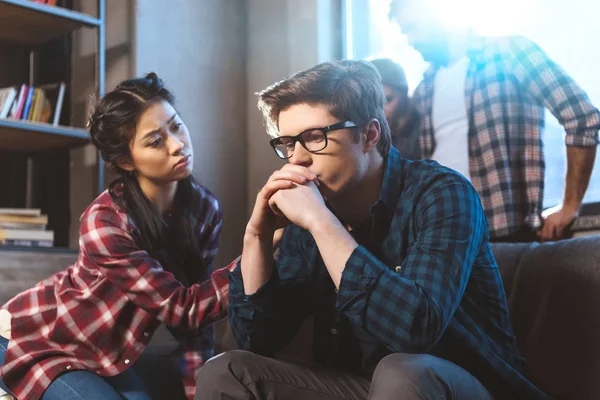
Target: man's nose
column 301, row 156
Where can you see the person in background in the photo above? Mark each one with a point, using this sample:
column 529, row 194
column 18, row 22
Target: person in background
column 146, row 249
column 399, row 110
column 481, row 106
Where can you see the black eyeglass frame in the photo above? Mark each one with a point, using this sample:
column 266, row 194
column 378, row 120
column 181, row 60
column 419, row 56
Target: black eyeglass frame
column 298, row 138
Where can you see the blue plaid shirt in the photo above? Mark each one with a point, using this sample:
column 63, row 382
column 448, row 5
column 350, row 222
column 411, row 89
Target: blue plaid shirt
column 423, row 280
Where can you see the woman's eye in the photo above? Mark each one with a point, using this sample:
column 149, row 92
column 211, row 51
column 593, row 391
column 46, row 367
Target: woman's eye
column 155, row 142
column 176, row 127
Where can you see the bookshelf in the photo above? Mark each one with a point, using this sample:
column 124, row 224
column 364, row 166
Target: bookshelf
column 28, row 23
column 36, row 136
column 37, row 38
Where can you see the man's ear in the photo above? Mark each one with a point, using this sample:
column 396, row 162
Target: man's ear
column 372, row 134
column 125, row 163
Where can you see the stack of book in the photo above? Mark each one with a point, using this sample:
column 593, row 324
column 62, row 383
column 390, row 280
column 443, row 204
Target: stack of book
column 24, row 227
column 41, row 103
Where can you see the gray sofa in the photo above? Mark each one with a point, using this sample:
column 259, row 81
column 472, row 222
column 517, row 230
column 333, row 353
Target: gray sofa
column 553, row 292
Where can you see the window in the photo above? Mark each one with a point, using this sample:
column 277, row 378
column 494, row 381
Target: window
column 567, row 31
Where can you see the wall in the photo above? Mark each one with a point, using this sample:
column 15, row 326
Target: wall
column 199, row 49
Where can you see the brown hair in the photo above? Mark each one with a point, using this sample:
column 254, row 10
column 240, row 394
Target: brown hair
column 392, row 74
column 351, row 89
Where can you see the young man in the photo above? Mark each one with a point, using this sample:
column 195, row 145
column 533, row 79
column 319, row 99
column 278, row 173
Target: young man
column 390, row 256
column 481, row 106
column 399, row 110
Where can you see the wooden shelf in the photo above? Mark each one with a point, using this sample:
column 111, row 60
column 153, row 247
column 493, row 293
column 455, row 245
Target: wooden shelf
column 36, row 136
column 28, row 23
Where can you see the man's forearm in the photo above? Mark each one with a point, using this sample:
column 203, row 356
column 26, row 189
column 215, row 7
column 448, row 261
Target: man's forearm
column 580, row 162
column 256, row 262
column 335, row 246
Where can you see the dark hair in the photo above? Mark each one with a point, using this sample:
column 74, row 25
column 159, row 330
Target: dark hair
column 351, row 89
column 112, row 127
column 392, row 74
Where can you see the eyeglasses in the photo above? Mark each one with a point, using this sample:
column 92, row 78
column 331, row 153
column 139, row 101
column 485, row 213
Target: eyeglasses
column 313, row 140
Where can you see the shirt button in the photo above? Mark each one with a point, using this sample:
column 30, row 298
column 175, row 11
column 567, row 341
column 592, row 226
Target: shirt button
column 127, row 361
column 398, row 268
column 146, row 334
column 334, row 331
column 68, row 367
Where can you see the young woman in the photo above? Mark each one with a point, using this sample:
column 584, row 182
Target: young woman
column 145, row 252
column 400, row 112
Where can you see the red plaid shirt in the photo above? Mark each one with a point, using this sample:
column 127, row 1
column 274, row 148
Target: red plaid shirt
column 509, row 82
column 99, row 314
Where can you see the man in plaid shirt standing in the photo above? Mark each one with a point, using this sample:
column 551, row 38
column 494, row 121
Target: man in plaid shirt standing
column 390, row 256
column 482, row 113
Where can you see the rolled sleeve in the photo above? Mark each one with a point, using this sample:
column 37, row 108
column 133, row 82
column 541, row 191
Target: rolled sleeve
column 261, row 298
column 584, row 138
column 268, row 319
column 551, row 86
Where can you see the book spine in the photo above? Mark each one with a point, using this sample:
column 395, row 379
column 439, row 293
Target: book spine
column 27, row 108
column 59, row 102
column 10, row 99
column 34, row 103
column 22, row 98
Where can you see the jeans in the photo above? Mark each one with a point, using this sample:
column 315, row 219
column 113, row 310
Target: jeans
column 79, row 385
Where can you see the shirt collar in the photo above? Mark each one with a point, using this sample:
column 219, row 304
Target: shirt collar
column 391, row 187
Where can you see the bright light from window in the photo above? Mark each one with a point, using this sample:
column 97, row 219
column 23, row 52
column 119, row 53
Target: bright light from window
column 567, row 30
column 488, row 17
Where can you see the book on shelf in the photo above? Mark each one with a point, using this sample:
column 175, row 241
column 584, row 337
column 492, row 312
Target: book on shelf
column 28, row 100
column 16, row 225
column 24, row 220
column 586, row 223
column 26, row 234
column 593, row 232
column 27, row 243
column 39, row 103
column 26, row 212
column 19, row 102
column 7, row 97
column 55, row 93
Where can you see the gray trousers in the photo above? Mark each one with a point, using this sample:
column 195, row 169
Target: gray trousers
column 238, row 374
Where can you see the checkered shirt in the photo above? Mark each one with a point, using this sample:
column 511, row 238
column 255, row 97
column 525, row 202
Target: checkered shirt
column 509, row 82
